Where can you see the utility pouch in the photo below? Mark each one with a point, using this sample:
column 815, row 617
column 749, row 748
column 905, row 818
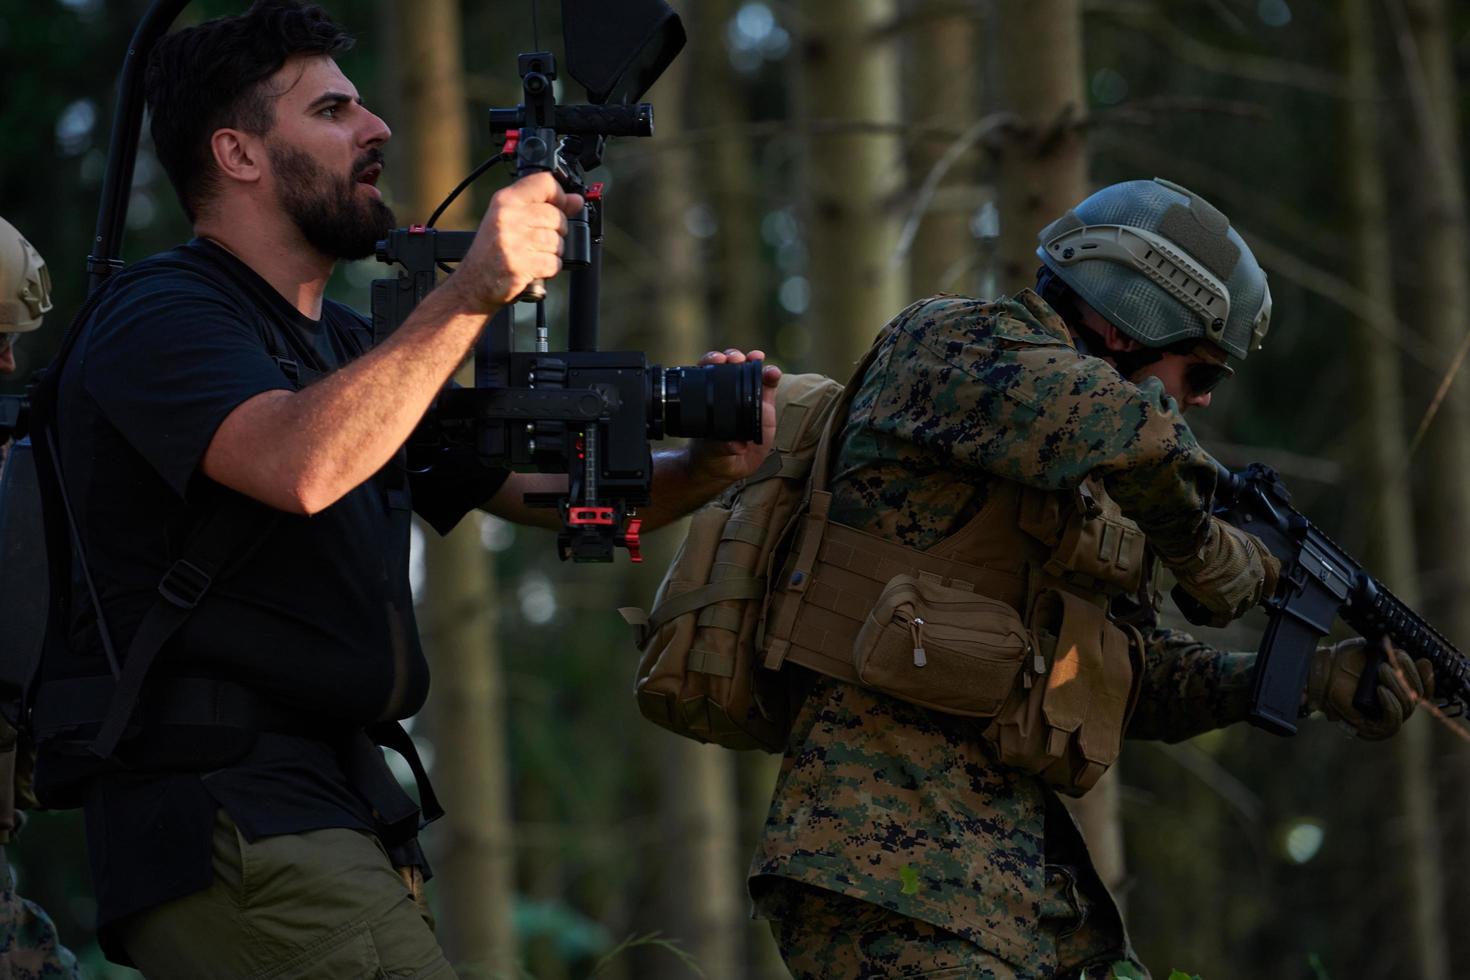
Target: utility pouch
column 1068, row 729
column 941, row 647
column 1098, row 545
column 697, row 675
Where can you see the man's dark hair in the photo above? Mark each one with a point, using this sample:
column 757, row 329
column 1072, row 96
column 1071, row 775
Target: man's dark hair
column 213, row 76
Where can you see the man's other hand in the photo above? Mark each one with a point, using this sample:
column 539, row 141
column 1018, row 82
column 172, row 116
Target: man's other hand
column 519, row 240
column 1333, row 681
column 1232, row 572
column 726, row 462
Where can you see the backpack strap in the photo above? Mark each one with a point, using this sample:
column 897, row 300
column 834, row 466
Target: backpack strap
column 231, row 531
column 231, row 527
column 816, row 508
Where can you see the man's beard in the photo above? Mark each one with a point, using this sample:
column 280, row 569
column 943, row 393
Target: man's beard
column 326, row 209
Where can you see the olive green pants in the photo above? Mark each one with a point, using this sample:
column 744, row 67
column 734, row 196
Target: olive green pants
column 324, row 904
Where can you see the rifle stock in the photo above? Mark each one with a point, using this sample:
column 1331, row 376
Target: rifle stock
column 1320, row 582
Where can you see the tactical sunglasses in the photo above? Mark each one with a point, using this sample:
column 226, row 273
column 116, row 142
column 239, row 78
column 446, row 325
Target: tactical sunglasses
column 1203, row 377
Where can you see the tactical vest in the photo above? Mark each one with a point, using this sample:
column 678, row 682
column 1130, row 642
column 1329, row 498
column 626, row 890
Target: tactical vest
column 1007, row 619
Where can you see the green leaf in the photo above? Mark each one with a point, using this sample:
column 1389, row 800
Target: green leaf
column 1181, row 975
column 1123, row 970
column 910, row 879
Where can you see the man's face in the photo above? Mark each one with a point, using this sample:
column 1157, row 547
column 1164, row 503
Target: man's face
column 325, row 153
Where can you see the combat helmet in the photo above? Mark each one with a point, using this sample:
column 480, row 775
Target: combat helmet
column 1163, row 265
column 25, row 283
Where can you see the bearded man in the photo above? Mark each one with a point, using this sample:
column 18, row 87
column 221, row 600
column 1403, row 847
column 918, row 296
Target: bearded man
column 246, row 824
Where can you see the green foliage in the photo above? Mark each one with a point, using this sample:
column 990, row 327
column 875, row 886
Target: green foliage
column 652, row 939
column 1319, row 969
column 1123, row 970
column 575, row 935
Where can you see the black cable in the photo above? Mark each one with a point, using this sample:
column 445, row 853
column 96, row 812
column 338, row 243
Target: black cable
column 475, row 175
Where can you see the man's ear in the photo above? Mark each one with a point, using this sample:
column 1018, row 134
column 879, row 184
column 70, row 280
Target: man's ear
column 237, row 155
column 1119, row 341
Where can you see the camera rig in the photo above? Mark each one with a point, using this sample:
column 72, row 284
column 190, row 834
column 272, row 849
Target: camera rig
column 581, row 411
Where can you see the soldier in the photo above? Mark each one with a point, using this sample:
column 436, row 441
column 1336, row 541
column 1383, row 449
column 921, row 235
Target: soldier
column 28, row 942
column 1034, row 451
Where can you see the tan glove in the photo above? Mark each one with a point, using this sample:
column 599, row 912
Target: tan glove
column 1231, row 572
column 1333, row 680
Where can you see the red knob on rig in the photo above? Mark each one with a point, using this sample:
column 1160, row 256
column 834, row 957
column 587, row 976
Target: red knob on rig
column 631, row 540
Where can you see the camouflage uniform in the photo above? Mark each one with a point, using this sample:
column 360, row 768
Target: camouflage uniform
column 889, row 804
column 29, row 946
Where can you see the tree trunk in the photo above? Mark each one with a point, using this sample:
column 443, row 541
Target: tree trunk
column 466, row 712
column 739, row 284
column 849, row 77
column 1037, row 53
column 942, row 86
column 700, row 857
column 1437, row 299
column 1042, row 173
column 1380, row 450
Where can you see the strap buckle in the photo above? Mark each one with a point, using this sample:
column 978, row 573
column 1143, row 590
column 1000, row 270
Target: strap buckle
column 184, row 584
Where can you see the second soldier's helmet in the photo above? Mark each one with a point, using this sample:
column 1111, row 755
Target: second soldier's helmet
column 1161, row 264
column 25, row 283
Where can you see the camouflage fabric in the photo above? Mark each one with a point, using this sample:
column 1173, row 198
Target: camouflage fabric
column 29, row 947
column 828, row 935
column 903, row 808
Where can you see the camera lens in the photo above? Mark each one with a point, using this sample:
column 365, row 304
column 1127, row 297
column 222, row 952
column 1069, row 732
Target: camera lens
column 716, row 401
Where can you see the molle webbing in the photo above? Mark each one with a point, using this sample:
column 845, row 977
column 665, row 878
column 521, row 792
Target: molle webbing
column 834, row 573
column 816, row 615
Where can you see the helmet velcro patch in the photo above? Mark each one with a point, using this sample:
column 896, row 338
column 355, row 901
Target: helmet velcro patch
column 1202, row 233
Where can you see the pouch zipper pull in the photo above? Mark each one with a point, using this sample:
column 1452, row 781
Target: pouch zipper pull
column 1038, row 666
column 916, row 629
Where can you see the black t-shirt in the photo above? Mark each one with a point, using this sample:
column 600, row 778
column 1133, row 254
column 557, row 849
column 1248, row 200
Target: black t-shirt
column 318, row 620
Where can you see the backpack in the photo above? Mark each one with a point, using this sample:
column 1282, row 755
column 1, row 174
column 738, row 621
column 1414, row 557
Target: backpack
column 700, row 673
column 42, row 551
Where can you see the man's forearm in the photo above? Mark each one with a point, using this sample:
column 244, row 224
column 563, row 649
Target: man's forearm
column 1190, row 687
column 679, row 487
column 303, row 451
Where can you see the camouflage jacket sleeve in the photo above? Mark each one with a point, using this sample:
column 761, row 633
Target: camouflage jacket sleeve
column 1001, row 390
column 1189, row 687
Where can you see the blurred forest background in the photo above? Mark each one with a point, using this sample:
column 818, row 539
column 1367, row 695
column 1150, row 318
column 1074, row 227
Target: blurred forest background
column 818, row 164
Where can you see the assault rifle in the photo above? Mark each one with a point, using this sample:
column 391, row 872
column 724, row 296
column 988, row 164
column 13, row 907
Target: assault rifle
column 1320, row 582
